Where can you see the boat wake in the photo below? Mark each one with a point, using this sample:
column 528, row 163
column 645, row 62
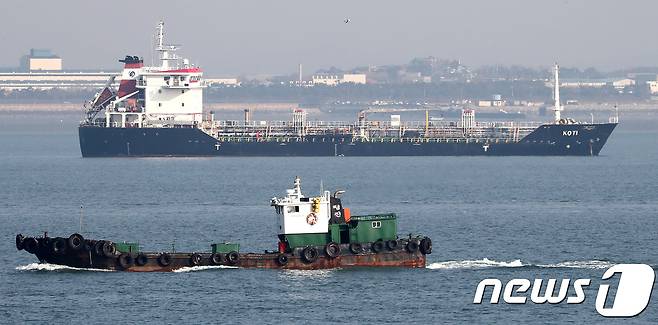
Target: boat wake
column 594, row 264
column 203, row 268
column 487, row 263
column 473, row 264
column 44, row 267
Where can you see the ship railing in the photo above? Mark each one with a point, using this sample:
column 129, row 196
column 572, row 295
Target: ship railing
column 343, row 139
column 366, row 124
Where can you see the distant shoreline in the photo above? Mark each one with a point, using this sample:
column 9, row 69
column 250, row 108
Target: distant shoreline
column 288, row 106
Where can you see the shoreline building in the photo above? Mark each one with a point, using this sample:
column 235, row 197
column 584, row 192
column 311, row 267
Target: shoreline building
column 41, row 60
column 331, row 79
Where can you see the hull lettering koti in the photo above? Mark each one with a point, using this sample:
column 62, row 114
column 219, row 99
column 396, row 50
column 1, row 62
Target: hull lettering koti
column 314, row 233
column 158, row 112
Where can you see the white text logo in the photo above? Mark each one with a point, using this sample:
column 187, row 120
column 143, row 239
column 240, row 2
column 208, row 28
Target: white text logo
column 632, row 296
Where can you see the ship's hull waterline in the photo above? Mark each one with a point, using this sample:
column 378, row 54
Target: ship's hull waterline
column 546, row 140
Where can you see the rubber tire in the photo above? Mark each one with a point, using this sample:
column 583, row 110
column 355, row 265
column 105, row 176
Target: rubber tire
column 332, row 250
column 392, row 245
column 426, row 246
column 58, row 246
column 109, row 249
column 232, row 257
column 164, row 259
column 216, row 259
column 377, row 246
column 19, row 242
column 31, row 245
column 195, row 259
column 125, row 260
column 356, row 248
column 141, row 259
column 412, row 246
column 98, row 248
column 282, row 259
column 310, row 254
column 75, row 242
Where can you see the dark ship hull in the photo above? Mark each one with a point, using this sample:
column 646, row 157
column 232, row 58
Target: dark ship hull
column 546, row 140
column 104, row 255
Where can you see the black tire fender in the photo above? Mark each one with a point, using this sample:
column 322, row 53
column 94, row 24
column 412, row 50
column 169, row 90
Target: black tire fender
column 31, row 245
column 310, row 254
column 377, row 246
column 232, row 258
column 356, row 248
column 125, row 260
column 109, row 249
column 19, row 242
column 76, row 242
column 58, row 246
column 141, row 259
column 392, row 245
column 216, row 259
column 282, row 259
column 98, row 248
column 195, row 259
column 426, row 246
column 332, row 250
column 412, row 246
column 164, row 259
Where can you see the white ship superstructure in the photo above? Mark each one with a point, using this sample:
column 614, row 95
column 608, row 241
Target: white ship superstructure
column 159, row 96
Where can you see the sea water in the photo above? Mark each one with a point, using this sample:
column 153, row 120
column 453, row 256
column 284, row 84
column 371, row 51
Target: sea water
column 489, row 217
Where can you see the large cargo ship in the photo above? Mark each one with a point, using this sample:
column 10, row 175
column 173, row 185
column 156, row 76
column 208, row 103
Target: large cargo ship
column 158, row 112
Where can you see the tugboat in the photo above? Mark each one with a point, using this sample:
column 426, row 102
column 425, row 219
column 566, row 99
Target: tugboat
column 314, row 233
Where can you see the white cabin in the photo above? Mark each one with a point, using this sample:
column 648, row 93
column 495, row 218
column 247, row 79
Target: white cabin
column 298, row 214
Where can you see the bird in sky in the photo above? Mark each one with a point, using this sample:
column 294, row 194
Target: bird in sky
column 347, row 20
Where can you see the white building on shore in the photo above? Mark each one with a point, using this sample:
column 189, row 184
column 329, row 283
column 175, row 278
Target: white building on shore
column 335, row 79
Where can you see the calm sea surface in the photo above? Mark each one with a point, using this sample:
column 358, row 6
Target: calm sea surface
column 505, row 217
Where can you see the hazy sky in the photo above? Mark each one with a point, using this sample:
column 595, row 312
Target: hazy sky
column 262, row 37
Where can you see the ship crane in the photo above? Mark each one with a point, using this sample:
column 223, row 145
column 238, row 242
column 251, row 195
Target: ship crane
column 363, row 114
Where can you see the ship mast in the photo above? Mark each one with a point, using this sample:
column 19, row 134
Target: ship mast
column 558, row 108
column 164, row 49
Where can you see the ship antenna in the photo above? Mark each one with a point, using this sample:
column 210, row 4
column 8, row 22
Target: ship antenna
column 81, row 215
column 321, row 186
column 557, row 108
column 160, row 34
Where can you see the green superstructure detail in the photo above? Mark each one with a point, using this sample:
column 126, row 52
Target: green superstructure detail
column 303, row 240
column 371, row 228
column 225, row 248
column 127, row 247
column 360, row 229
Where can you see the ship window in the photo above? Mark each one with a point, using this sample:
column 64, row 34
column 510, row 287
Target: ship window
column 182, row 78
column 159, row 104
column 293, row 208
column 159, row 91
column 182, row 91
column 182, row 104
column 376, row 224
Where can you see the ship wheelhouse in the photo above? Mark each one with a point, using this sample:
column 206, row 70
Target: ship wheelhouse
column 168, row 95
